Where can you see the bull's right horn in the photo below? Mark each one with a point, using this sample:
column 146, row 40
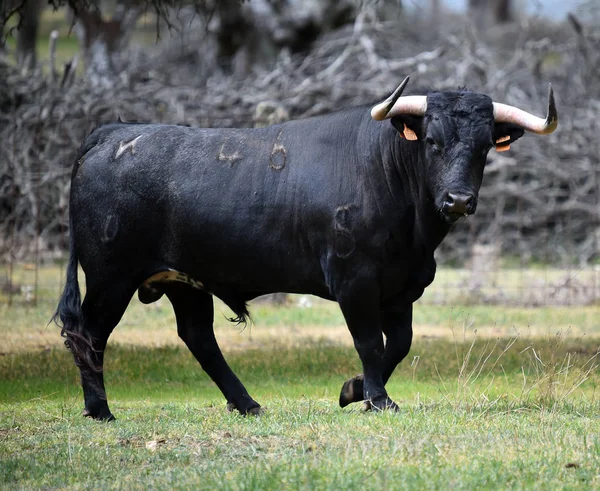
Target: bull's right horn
column 504, row 113
column 395, row 105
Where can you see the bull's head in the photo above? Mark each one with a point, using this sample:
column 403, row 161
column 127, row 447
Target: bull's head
column 455, row 131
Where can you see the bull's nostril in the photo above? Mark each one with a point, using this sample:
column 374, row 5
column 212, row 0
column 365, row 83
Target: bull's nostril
column 459, row 203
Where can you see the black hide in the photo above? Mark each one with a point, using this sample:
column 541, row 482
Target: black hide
column 337, row 206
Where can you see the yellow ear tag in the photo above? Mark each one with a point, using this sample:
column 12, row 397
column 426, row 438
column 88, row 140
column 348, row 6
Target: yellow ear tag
column 408, row 134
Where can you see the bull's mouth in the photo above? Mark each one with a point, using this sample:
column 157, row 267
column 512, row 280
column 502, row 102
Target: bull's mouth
column 451, row 216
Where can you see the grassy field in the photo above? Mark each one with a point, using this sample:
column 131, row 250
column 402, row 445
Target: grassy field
column 490, row 397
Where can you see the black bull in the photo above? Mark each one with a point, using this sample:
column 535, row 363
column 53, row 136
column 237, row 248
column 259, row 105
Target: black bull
column 337, row 206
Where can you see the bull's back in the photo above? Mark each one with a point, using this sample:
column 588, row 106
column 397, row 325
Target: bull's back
column 227, row 205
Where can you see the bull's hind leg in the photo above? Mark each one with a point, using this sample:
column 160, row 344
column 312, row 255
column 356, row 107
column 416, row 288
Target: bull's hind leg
column 194, row 311
column 102, row 310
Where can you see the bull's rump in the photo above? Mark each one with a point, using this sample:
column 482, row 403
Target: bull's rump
column 220, row 205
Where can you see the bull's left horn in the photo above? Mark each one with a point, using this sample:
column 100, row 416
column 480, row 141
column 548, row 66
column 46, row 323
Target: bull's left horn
column 504, row 113
column 395, row 105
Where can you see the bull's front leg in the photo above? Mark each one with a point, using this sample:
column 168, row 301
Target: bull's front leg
column 396, row 323
column 360, row 306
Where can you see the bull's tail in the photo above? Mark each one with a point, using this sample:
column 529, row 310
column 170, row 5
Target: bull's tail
column 69, row 318
column 68, row 315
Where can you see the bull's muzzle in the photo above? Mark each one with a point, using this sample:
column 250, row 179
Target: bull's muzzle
column 458, row 204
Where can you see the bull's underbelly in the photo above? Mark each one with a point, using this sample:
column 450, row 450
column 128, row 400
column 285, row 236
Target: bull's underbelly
column 152, row 288
column 247, row 273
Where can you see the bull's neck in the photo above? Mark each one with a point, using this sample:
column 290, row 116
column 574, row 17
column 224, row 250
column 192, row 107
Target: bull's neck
column 407, row 169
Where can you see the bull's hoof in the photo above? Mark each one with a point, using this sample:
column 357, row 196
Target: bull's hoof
column 254, row 411
column 383, row 404
column 100, row 416
column 250, row 411
column 352, row 391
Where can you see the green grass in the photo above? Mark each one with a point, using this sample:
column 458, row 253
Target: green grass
column 302, row 444
column 490, row 397
column 483, row 414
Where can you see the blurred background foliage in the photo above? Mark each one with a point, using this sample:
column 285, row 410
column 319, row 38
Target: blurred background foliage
column 68, row 65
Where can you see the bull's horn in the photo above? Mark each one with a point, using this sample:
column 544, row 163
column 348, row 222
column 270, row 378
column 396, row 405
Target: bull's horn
column 395, row 105
column 504, row 113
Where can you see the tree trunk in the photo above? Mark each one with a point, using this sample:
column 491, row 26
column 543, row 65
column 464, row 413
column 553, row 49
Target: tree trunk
column 27, row 33
column 254, row 32
column 235, row 31
column 487, row 12
column 503, row 12
column 102, row 40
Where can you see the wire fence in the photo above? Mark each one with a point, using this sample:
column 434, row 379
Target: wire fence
column 27, row 284
column 485, row 278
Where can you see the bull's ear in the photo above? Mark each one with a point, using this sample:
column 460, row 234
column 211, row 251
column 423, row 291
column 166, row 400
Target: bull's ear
column 408, row 126
column 505, row 134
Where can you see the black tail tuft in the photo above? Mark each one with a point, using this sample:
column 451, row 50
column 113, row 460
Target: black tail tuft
column 68, row 317
column 242, row 316
column 235, row 302
column 240, row 309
